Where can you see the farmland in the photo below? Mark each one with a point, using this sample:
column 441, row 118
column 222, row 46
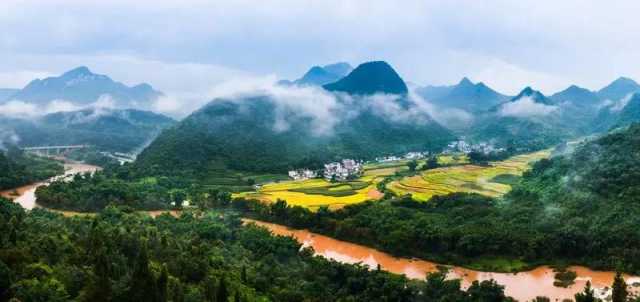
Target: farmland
column 492, row 180
column 314, row 193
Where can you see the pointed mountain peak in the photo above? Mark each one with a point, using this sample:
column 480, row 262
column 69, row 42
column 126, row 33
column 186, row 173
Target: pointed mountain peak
column 624, row 81
column 78, row 71
column 370, row 78
column 466, row 82
column 316, row 69
column 537, row 96
column 575, row 89
column 618, row 89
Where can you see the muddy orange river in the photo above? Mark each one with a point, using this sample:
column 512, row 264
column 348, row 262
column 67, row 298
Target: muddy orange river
column 523, row 286
column 26, row 195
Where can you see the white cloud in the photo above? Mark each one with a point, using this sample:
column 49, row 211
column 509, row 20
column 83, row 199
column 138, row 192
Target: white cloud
column 25, row 110
column 311, row 102
column 534, row 40
column 526, row 107
column 61, row 106
column 620, row 104
column 18, row 109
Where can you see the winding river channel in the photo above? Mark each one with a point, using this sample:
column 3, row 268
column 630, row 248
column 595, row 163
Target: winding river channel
column 26, row 195
column 523, row 286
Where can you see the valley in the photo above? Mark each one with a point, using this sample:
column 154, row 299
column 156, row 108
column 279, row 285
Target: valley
column 346, row 184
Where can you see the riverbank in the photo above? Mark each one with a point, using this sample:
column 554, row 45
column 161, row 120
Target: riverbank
column 523, row 286
column 26, row 194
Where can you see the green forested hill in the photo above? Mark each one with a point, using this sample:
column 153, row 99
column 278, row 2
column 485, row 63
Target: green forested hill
column 259, row 134
column 120, row 130
column 241, row 136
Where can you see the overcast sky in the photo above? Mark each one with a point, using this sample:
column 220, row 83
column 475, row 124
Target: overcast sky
column 183, row 47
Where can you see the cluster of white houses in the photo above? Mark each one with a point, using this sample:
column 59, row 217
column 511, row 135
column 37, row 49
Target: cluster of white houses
column 338, row 171
column 410, row 156
column 302, row 174
column 464, row 147
column 341, row 171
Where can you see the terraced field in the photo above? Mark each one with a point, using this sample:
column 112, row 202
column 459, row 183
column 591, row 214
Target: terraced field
column 314, row 193
column 493, row 180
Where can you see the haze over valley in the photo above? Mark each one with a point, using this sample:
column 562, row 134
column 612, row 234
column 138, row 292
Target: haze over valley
column 338, row 151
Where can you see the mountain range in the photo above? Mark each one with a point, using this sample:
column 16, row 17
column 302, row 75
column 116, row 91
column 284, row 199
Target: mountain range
column 259, row 134
column 119, row 130
column 80, row 86
column 321, row 75
column 465, row 95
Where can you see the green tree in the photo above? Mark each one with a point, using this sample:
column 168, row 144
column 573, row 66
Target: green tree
column 431, row 163
column 142, row 283
column 5, row 280
column 412, row 165
column 619, row 288
column 163, row 285
column 223, row 293
column 586, row 295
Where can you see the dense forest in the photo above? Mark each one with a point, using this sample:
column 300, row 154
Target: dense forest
column 117, row 255
column 18, row 169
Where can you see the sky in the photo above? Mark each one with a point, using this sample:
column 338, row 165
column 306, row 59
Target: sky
column 185, row 47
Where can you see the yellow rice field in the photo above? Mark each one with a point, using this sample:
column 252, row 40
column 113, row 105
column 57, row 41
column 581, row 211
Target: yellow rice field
column 465, row 178
column 457, row 177
column 373, row 174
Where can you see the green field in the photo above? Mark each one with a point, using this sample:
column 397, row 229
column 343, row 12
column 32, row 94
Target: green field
column 493, row 180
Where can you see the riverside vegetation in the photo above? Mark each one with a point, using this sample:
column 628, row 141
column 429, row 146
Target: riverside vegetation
column 580, row 208
column 18, row 169
column 118, row 255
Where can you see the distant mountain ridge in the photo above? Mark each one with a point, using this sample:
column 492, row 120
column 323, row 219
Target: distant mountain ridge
column 618, row 89
column 82, row 87
column 252, row 135
column 121, row 130
column 321, row 75
column 577, row 96
column 528, row 121
column 465, row 95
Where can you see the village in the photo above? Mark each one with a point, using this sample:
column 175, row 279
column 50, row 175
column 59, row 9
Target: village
column 348, row 169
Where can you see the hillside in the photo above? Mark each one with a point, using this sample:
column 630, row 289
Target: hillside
column 529, row 121
column 577, row 96
column 106, row 129
column 618, row 89
column 253, row 134
column 465, row 95
column 81, row 87
column 370, row 78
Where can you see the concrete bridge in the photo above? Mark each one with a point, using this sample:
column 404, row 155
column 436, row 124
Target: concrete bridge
column 53, row 150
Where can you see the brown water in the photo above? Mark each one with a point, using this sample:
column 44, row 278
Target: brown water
column 523, row 286
column 26, row 196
